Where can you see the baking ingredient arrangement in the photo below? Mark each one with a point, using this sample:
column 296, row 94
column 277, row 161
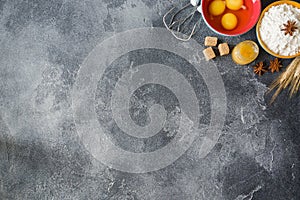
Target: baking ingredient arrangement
column 277, row 29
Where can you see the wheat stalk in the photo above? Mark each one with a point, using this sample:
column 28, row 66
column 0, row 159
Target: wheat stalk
column 291, row 78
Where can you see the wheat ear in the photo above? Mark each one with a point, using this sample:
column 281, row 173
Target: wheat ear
column 290, row 77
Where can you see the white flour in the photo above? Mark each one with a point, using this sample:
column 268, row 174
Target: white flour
column 271, row 34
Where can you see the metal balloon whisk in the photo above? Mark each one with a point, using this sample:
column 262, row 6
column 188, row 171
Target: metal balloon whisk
column 182, row 22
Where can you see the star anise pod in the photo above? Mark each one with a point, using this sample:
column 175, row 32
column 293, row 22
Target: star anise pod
column 289, row 28
column 259, row 68
column 275, row 65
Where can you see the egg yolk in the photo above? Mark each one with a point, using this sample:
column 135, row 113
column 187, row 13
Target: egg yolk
column 234, row 4
column 229, row 21
column 216, row 7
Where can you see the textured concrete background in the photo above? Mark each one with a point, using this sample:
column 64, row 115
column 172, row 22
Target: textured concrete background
column 43, row 43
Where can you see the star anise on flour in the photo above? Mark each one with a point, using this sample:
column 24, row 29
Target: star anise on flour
column 289, row 28
column 275, row 65
column 259, row 68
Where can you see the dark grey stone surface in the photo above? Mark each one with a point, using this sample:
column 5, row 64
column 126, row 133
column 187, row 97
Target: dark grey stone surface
column 42, row 45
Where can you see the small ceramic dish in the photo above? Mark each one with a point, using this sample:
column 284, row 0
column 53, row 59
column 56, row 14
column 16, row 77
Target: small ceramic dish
column 261, row 42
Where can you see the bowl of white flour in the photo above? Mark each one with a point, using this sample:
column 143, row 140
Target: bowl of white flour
column 272, row 32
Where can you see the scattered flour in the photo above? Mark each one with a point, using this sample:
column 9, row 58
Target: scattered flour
column 270, row 30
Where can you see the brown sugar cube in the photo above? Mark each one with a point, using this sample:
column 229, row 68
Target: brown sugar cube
column 223, row 49
column 211, row 41
column 209, row 53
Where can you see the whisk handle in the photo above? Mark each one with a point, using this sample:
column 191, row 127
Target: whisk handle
column 195, row 2
column 199, row 9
